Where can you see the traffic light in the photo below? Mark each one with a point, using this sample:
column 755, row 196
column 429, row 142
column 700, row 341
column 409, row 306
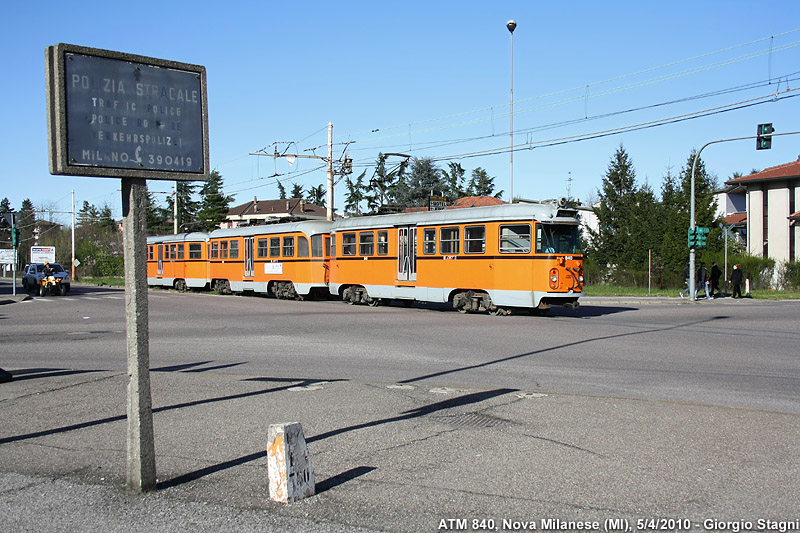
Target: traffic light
column 764, row 139
column 15, row 237
column 692, row 238
column 700, row 237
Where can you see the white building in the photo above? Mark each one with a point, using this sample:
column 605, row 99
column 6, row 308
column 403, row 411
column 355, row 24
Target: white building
column 773, row 200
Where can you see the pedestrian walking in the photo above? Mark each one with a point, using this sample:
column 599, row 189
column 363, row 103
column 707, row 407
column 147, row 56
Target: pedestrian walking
column 736, row 281
column 702, row 281
column 685, row 292
column 716, row 273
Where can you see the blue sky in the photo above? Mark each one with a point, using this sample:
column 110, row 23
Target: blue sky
column 430, row 79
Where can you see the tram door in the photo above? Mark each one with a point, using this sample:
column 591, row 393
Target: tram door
column 160, row 259
column 407, row 253
column 249, row 265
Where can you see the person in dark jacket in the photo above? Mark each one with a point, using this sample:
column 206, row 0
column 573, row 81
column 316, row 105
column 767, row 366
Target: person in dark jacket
column 736, row 281
column 702, row 281
column 716, row 273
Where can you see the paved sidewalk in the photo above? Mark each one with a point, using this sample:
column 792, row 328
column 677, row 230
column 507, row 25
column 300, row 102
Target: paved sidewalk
column 387, row 457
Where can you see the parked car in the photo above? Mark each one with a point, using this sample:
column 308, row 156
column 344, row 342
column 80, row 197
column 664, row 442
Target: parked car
column 32, row 277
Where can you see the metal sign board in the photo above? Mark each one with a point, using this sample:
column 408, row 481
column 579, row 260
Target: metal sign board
column 8, row 256
column 112, row 114
column 40, row 254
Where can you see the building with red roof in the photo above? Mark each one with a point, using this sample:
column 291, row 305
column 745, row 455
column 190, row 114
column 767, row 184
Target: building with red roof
column 773, row 200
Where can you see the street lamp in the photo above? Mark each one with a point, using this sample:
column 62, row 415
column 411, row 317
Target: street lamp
column 512, row 25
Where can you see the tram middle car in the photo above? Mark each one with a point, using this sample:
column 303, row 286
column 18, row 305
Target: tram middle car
column 288, row 260
column 492, row 259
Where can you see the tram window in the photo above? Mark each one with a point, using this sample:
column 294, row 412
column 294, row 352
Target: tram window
column 449, row 240
column 429, row 241
column 331, row 243
column 515, row 239
column 150, row 252
column 475, row 239
column 195, row 250
column 275, row 247
column 223, row 249
column 262, row 247
column 288, row 247
column 383, row 243
column 366, row 243
column 348, row 244
column 302, row 246
column 180, row 251
column 558, row 239
column 214, row 250
column 234, row 250
column 316, row 246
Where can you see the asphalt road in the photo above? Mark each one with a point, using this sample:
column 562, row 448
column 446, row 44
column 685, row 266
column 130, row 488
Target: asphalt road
column 417, row 419
column 738, row 353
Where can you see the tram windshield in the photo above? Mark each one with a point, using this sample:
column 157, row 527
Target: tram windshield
column 557, row 239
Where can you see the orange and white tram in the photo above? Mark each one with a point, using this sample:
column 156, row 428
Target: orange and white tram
column 178, row 261
column 480, row 259
column 288, row 260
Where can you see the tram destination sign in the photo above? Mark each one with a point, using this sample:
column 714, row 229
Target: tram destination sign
column 112, row 114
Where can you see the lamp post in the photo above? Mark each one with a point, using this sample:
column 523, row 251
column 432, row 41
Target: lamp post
column 512, row 25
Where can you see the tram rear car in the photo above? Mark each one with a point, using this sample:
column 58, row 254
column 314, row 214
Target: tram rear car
column 287, row 260
column 178, row 261
column 480, row 259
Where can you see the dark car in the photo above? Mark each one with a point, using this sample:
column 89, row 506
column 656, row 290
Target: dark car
column 32, row 277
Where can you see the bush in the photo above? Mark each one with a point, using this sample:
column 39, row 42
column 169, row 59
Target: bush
column 789, row 276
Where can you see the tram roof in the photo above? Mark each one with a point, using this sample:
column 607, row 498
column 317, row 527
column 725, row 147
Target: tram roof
column 544, row 212
column 309, row 227
column 180, row 237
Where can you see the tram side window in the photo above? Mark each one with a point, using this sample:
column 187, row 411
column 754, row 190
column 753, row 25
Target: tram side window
column 150, row 253
column 429, row 241
column 515, row 239
column 234, row 250
column 449, row 240
column 223, row 249
column 214, row 250
column 180, row 251
column 316, row 246
column 262, row 247
column 302, row 246
column 274, row 247
column 348, row 244
column 172, row 253
column 383, row 243
column 366, row 243
column 288, row 247
column 332, row 246
column 475, row 239
column 195, row 250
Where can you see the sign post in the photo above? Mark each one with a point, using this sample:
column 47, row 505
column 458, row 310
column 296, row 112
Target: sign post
column 118, row 115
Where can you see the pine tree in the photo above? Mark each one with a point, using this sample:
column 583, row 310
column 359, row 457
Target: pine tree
column 481, row 184
column 214, row 205
column 281, row 191
column 455, row 181
column 613, row 242
column 355, row 194
column 297, row 190
column 317, row 195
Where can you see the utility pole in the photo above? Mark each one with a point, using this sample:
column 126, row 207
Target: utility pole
column 73, row 235
column 329, row 215
column 175, row 210
column 345, row 166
